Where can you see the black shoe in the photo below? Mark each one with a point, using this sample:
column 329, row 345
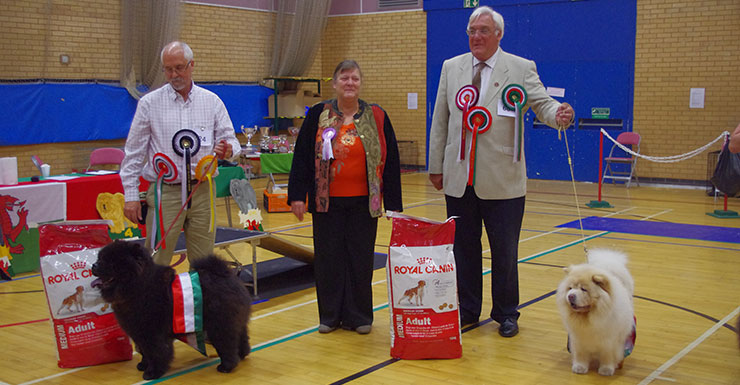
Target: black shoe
column 508, row 328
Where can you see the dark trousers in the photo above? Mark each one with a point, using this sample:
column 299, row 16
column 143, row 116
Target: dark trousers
column 344, row 245
column 503, row 221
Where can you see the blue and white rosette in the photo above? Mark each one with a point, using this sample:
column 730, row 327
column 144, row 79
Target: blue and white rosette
column 186, row 143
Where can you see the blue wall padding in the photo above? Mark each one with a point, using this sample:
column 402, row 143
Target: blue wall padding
column 50, row 113
column 659, row 229
column 46, row 113
column 247, row 104
column 586, row 47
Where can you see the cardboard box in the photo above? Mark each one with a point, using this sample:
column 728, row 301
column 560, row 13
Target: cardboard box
column 276, row 202
column 292, row 103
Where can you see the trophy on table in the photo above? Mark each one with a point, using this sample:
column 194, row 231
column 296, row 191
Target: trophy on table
column 265, row 138
column 294, row 133
column 249, row 132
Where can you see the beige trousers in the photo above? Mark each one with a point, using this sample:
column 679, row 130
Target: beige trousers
column 194, row 221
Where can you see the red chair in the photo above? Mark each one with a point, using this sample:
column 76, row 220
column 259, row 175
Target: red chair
column 628, row 139
column 106, row 155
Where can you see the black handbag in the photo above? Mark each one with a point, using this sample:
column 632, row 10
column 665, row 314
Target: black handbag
column 726, row 177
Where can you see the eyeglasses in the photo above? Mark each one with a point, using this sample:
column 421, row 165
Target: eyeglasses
column 483, row 32
column 179, row 68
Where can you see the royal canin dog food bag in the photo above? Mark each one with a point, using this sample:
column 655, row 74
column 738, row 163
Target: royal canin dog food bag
column 85, row 329
column 422, row 289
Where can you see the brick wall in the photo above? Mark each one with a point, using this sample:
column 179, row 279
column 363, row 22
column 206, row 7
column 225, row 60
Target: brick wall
column 391, row 51
column 36, row 32
column 684, row 44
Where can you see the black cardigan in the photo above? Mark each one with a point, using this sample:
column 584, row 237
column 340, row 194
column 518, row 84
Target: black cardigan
column 302, row 180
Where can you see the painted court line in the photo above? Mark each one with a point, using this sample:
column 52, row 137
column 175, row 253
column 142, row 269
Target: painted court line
column 654, row 375
column 283, row 310
column 64, row 373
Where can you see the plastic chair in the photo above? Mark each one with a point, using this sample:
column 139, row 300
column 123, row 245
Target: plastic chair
column 106, row 155
column 627, row 139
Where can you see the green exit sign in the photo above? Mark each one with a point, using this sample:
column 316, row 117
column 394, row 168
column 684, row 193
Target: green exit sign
column 470, row 3
column 600, row 112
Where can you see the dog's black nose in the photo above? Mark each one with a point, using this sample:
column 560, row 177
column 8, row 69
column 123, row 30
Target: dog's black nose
column 94, row 268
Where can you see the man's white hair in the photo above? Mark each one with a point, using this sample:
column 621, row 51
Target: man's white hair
column 486, row 10
column 187, row 52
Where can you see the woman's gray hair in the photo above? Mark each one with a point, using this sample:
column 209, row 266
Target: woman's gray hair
column 345, row 65
column 486, row 10
column 186, row 51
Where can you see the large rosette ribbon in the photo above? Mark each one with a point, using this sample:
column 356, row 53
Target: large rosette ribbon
column 478, row 120
column 514, row 98
column 465, row 99
column 186, row 143
column 166, row 172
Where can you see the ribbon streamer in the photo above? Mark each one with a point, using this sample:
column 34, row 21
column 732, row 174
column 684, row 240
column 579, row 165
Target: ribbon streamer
column 465, row 99
column 187, row 310
column 204, row 170
column 479, row 120
column 326, row 150
column 514, row 98
column 166, row 172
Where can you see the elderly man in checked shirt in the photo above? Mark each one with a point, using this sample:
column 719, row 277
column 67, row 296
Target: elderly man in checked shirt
column 160, row 114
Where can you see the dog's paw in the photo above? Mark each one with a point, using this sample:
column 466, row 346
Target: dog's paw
column 141, row 366
column 153, row 374
column 606, row 370
column 579, row 368
column 225, row 368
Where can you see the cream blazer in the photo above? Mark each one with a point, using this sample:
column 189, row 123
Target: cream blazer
column 497, row 176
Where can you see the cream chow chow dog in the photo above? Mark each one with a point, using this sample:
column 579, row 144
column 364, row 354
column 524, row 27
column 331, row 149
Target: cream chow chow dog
column 595, row 302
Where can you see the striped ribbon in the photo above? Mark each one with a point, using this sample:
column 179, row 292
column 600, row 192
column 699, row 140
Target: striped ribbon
column 187, row 310
column 158, row 220
column 514, row 98
column 518, row 133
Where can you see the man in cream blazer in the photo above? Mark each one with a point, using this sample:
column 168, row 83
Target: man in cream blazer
column 496, row 197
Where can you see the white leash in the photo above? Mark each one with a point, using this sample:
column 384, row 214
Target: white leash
column 573, row 182
column 666, row 159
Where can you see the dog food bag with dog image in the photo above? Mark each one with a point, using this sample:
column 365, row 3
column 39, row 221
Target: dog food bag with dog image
column 85, row 327
column 422, row 289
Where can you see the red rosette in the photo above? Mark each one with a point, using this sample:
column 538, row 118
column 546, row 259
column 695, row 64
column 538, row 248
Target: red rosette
column 479, row 117
column 163, row 163
column 467, row 97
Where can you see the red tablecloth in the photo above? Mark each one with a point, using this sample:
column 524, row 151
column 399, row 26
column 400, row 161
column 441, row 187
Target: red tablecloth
column 82, row 193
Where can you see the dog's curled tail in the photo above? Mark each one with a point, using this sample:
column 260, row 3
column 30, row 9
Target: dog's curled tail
column 213, row 265
column 607, row 257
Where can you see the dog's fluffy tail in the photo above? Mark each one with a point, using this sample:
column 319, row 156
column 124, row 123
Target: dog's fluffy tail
column 606, row 257
column 613, row 261
column 213, row 265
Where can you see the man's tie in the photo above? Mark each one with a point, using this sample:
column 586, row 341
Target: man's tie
column 476, row 77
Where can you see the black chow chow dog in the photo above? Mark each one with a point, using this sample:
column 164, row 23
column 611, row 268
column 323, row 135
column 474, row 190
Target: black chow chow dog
column 141, row 295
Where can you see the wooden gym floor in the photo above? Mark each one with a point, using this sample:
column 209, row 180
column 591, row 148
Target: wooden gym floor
column 687, row 296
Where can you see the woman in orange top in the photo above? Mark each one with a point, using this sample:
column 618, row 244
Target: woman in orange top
column 346, row 161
